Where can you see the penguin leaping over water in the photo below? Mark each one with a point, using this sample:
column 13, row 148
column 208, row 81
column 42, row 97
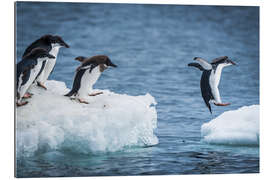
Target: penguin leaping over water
column 28, row 69
column 210, row 79
column 52, row 44
column 87, row 74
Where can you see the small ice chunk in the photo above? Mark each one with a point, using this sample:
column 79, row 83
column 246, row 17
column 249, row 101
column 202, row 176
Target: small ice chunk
column 237, row 127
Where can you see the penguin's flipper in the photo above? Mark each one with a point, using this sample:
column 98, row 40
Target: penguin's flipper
column 89, row 64
column 76, row 83
column 41, row 69
column 203, row 63
column 92, row 67
column 206, row 89
column 85, row 67
column 197, row 65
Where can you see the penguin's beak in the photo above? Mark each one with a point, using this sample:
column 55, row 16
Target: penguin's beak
column 64, row 44
column 233, row 63
column 79, row 59
column 111, row 64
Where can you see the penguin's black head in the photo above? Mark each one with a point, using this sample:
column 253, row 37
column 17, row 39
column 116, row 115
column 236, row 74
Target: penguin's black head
column 105, row 62
column 40, row 53
column 80, row 58
column 55, row 40
column 102, row 61
column 108, row 62
column 60, row 41
column 230, row 62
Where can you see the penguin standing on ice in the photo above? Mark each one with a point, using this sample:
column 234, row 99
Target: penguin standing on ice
column 210, row 79
column 28, row 69
column 87, row 74
column 52, row 44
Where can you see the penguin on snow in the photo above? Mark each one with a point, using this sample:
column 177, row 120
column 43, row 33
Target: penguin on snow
column 52, row 44
column 87, row 74
column 28, row 69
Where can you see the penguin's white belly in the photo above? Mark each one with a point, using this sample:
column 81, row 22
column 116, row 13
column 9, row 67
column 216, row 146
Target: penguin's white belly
column 50, row 63
column 33, row 74
column 214, row 82
column 87, row 81
column 217, row 74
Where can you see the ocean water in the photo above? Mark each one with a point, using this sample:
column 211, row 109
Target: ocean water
column 152, row 45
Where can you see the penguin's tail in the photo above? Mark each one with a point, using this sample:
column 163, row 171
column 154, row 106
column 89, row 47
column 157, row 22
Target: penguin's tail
column 209, row 107
column 70, row 93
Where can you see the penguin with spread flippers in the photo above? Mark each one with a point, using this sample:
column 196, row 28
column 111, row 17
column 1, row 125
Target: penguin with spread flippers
column 87, row 74
column 28, row 69
column 52, row 44
column 210, row 78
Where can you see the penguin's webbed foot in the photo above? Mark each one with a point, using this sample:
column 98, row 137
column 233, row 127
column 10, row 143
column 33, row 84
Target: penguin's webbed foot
column 83, row 101
column 95, row 94
column 22, row 103
column 27, row 95
column 222, row 104
column 41, row 85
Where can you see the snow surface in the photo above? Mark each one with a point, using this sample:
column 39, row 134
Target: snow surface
column 238, row 127
column 110, row 122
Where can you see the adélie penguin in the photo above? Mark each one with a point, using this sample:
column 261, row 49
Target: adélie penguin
column 87, row 74
column 28, row 69
column 210, row 79
column 52, row 44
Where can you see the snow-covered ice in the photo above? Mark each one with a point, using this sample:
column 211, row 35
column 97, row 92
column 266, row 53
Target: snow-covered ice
column 110, row 122
column 237, row 127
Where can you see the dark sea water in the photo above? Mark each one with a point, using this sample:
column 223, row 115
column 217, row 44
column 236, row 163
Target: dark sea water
column 152, row 45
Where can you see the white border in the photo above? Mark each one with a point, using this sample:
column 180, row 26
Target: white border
column 7, row 85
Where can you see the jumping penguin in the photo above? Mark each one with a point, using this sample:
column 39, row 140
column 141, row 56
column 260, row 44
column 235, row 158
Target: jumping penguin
column 87, row 74
column 210, row 79
column 28, row 69
column 52, row 44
